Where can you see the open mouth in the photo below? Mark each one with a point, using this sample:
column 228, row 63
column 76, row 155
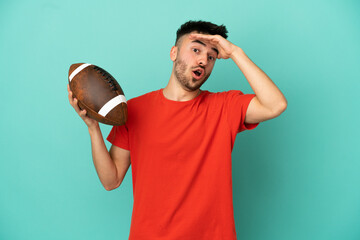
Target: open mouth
column 198, row 73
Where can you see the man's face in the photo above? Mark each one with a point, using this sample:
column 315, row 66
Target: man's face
column 194, row 62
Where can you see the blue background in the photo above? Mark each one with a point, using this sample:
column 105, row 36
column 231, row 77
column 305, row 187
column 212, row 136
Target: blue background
column 294, row 177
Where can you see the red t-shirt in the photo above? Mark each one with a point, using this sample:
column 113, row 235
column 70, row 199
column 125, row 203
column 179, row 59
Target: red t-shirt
column 181, row 164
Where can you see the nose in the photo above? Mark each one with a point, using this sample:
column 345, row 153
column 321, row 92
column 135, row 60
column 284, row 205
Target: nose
column 202, row 60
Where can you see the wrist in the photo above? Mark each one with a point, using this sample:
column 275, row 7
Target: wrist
column 236, row 52
column 94, row 128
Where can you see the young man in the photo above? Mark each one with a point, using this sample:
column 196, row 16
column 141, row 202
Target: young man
column 179, row 140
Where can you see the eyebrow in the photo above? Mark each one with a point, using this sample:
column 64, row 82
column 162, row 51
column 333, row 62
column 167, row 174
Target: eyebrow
column 198, row 41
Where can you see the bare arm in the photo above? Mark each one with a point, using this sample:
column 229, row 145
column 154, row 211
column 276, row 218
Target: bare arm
column 269, row 101
column 111, row 166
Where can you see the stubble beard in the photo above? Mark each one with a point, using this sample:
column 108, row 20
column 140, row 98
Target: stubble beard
column 190, row 83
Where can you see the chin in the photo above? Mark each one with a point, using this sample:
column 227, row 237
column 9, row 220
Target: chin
column 195, row 87
column 191, row 89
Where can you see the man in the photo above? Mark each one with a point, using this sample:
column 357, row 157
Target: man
column 179, row 140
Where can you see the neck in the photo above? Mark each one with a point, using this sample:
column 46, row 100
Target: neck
column 174, row 91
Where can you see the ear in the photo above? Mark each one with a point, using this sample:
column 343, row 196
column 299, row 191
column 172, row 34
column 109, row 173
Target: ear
column 173, row 53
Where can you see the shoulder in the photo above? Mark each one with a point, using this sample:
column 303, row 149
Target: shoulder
column 143, row 98
column 222, row 96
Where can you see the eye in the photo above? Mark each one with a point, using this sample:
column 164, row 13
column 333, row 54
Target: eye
column 211, row 58
column 195, row 50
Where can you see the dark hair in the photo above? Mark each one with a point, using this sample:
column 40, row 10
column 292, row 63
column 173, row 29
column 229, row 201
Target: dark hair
column 201, row 27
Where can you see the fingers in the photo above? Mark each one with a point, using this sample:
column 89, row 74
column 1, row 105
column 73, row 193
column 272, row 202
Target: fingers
column 82, row 113
column 204, row 37
column 199, row 35
column 74, row 102
column 70, row 96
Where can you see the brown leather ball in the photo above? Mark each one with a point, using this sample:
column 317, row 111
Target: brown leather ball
column 99, row 93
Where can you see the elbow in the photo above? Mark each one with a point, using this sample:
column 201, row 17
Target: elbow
column 283, row 106
column 280, row 109
column 108, row 188
column 111, row 187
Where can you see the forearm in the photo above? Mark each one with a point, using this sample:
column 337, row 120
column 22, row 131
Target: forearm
column 104, row 165
column 266, row 91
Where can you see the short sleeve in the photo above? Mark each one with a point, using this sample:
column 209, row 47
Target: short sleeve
column 236, row 105
column 119, row 136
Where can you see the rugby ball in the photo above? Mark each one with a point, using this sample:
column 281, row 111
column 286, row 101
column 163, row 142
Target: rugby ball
column 99, row 93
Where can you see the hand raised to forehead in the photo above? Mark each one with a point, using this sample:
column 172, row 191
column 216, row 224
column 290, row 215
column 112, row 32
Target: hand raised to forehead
column 224, row 47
